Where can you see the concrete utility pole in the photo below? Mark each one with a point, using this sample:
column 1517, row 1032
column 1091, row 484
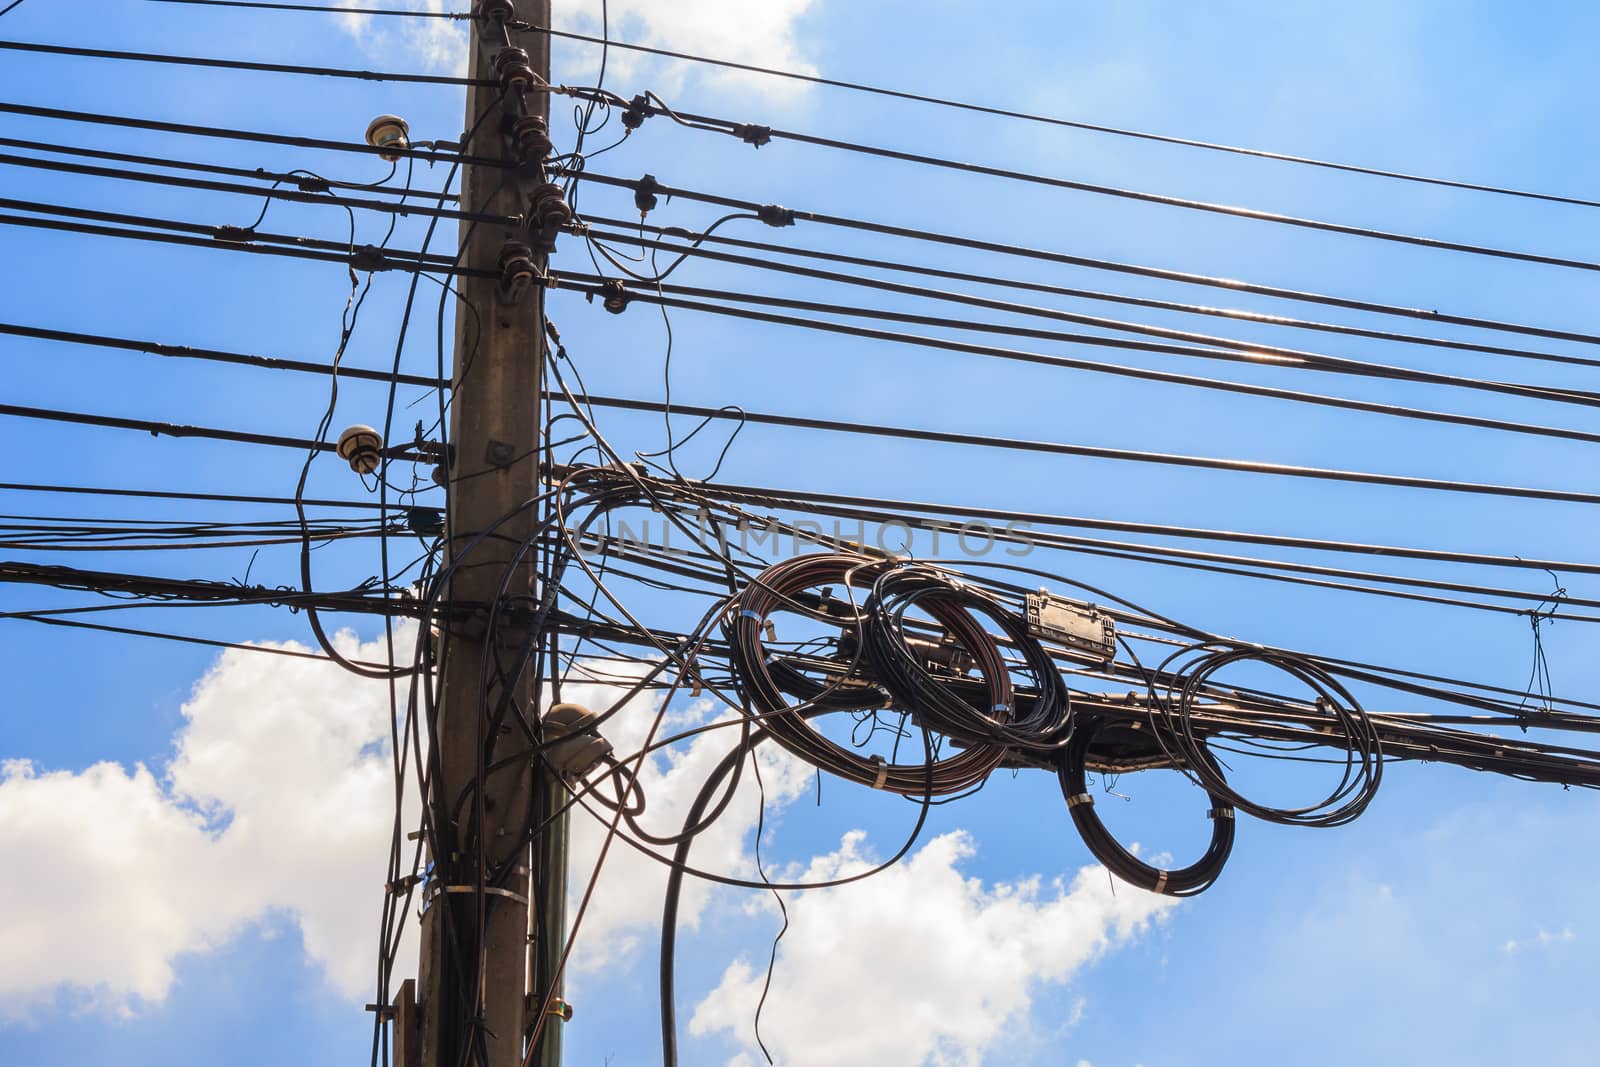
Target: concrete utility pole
column 494, row 434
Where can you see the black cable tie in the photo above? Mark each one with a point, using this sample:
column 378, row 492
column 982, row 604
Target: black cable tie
column 233, row 234
column 313, row 184
column 753, row 135
column 775, row 215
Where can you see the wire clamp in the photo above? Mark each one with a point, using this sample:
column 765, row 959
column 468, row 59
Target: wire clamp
column 883, row 772
column 1219, row 813
column 614, row 296
column 753, row 135
column 369, row 258
column 637, row 111
column 775, row 215
column 492, row 889
column 400, row 886
column 644, row 194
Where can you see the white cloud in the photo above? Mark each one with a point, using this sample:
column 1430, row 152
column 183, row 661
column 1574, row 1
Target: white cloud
column 760, row 34
column 278, row 799
column 1541, row 939
column 434, row 45
column 951, row 964
column 628, row 897
column 277, row 802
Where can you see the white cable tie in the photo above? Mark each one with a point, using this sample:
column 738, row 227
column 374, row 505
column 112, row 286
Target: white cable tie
column 883, row 772
column 1161, row 882
column 1080, row 798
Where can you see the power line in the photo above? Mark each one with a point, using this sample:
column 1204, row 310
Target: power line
column 159, row 635
column 222, row 234
column 238, row 64
column 363, row 258
column 1399, row 481
column 742, row 131
column 760, row 494
column 176, row 494
column 217, row 355
column 393, row 207
column 171, row 429
column 430, row 155
column 923, row 98
column 1067, row 362
column 699, row 251
column 305, row 181
column 784, row 216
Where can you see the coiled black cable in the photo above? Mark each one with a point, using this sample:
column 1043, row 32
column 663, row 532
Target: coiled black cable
column 934, row 708
column 1173, row 705
column 1197, row 877
column 959, row 607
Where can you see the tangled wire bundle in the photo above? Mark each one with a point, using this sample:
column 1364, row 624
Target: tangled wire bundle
column 1336, row 712
column 1180, row 882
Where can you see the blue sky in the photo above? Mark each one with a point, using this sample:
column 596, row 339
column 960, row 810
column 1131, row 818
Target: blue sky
column 1450, row 924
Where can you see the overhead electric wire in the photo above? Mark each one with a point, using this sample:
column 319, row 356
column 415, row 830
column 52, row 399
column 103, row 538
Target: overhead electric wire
column 222, row 234
column 392, row 207
column 215, row 355
column 1045, row 255
column 189, row 591
column 740, row 129
column 39, row 48
column 364, row 257
column 459, row 16
column 431, row 155
column 207, row 642
column 659, row 296
column 802, row 497
column 923, row 98
column 1293, row 357
column 1239, row 566
column 171, row 429
column 304, row 179
column 1332, row 578
column 1098, row 452
column 174, row 494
